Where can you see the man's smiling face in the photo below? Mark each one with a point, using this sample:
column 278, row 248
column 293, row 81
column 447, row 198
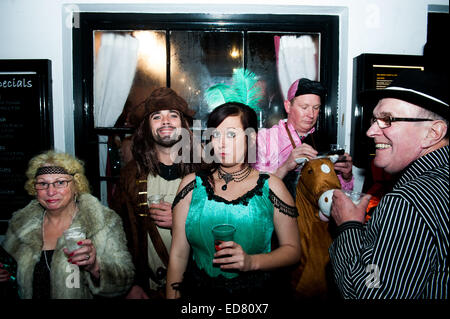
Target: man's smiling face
column 400, row 144
column 165, row 126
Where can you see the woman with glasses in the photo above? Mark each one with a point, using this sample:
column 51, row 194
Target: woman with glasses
column 101, row 263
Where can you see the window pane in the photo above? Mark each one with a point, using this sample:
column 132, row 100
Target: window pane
column 201, row 59
column 149, row 74
column 262, row 60
column 151, row 67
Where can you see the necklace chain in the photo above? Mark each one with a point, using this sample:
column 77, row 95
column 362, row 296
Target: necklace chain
column 237, row 176
column 43, row 238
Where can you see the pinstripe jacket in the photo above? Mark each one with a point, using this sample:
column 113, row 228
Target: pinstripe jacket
column 402, row 251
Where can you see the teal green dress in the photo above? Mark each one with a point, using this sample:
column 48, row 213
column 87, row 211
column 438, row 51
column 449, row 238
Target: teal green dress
column 251, row 214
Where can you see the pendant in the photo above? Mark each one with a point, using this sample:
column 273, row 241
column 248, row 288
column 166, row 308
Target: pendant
column 227, row 178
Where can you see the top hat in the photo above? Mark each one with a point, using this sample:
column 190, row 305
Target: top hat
column 426, row 89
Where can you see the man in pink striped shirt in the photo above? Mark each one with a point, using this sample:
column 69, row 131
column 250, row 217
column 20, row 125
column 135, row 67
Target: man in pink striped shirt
column 276, row 151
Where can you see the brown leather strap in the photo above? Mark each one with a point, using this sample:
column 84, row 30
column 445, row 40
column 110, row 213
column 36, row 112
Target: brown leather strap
column 309, row 139
column 157, row 241
column 289, row 134
column 150, row 225
column 292, row 140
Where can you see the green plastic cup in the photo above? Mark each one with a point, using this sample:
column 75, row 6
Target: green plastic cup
column 221, row 233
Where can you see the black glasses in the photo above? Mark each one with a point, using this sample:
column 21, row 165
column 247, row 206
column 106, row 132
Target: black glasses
column 385, row 121
column 57, row 184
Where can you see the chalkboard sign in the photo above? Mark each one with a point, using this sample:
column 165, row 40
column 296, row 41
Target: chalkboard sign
column 25, row 127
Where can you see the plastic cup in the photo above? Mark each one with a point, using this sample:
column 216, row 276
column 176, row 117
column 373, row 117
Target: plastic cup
column 72, row 236
column 354, row 196
column 155, row 199
column 326, row 200
column 221, row 233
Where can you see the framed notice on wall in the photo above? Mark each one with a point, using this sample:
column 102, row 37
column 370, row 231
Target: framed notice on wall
column 25, row 127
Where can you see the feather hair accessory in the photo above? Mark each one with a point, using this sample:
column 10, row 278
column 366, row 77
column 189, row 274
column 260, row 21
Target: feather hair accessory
column 219, row 94
column 244, row 84
column 243, row 90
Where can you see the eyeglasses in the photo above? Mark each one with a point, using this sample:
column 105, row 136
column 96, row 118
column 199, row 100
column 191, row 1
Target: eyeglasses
column 57, row 184
column 385, row 122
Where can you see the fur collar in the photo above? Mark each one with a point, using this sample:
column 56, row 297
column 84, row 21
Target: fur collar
column 27, row 222
column 26, row 244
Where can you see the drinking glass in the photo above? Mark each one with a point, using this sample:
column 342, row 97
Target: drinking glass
column 354, row 196
column 326, row 200
column 155, row 199
column 72, row 236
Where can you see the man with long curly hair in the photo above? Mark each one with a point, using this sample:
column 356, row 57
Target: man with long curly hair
column 154, row 170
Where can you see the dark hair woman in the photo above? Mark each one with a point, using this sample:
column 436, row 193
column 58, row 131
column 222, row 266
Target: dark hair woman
column 231, row 192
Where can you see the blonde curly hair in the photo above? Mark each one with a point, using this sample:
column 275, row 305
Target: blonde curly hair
column 71, row 164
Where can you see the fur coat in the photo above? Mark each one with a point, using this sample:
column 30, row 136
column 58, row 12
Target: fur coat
column 67, row 281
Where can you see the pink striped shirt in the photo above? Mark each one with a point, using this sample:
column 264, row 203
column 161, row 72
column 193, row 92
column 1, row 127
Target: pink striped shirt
column 274, row 148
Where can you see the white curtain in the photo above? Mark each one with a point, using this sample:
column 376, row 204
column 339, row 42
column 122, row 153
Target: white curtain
column 296, row 59
column 114, row 69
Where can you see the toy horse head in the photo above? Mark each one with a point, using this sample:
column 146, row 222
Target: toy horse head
column 317, row 177
column 317, row 181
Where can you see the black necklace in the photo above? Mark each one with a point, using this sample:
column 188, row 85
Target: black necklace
column 237, row 176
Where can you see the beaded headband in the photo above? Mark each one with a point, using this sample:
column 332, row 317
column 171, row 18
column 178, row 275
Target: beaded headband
column 50, row 170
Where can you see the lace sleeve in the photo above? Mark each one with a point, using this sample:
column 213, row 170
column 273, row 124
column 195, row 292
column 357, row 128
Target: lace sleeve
column 282, row 206
column 182, row 194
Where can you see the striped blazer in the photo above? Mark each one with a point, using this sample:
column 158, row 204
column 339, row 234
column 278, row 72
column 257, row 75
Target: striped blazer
column 402, row 251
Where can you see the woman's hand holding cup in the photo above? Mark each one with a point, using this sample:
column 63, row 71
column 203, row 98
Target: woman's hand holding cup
column 81, row 251
column 229, row 254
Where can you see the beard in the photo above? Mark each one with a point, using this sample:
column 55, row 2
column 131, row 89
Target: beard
column 167, row 140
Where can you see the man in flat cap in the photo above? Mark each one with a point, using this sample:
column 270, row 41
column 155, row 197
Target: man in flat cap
column 402, row 251
column 296, row 137
column 153, row 171
column 278, row 148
